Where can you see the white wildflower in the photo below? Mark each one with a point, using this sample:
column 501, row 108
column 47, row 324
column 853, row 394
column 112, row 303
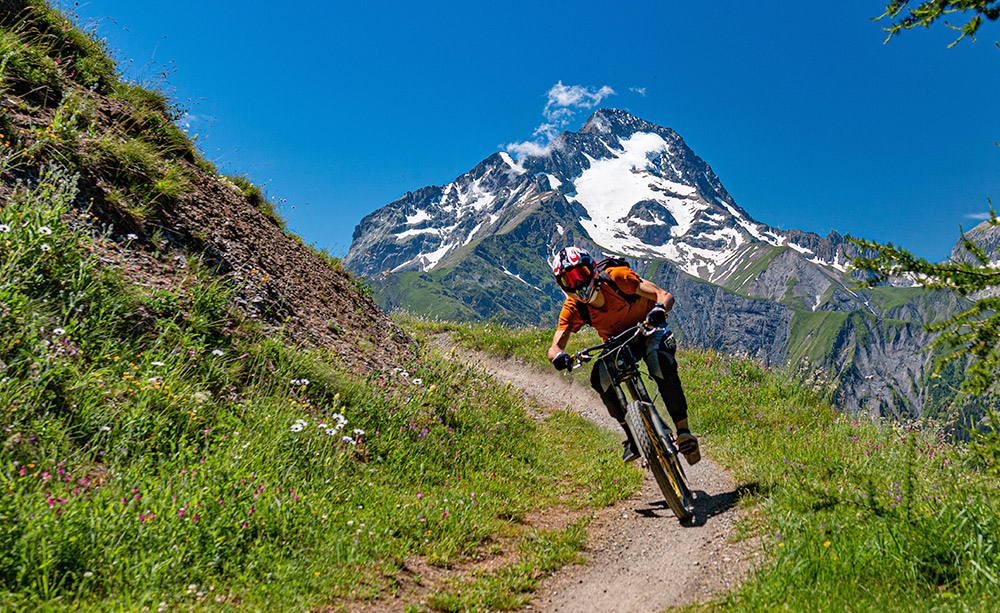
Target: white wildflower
column 217, row 352
column 4, row 228
column 297, row 427
column 58, row 331
column 130, row 237
column 332, row 431
column 45, row 230
column 417, row 381
column 359, row 432
column 157, row 364
column 45, row 247
column 349, row 440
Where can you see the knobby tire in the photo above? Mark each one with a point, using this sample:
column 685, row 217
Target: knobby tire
column 668, row 473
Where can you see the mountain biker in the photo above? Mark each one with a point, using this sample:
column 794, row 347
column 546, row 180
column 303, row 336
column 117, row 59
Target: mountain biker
column 612, row 301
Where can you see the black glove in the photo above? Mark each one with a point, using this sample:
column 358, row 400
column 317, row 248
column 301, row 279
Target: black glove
column 657, row 316
column 562, row 361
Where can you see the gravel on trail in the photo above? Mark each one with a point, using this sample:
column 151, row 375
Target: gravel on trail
column 639, row 557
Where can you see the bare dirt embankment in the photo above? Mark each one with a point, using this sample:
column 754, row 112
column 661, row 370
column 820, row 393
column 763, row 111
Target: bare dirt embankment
column 639, row 557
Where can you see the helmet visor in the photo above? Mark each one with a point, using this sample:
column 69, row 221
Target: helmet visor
column 576, row 279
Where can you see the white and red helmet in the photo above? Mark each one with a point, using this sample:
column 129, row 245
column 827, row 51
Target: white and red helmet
column 576, row 273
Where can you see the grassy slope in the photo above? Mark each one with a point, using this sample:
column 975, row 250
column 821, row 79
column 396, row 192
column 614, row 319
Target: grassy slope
column 852, row 515
column 158, row 447
column 813, row 334
column 765, row 254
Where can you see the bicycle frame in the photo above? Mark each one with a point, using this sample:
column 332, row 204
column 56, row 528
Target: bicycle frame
column 625, row 368
column 656, row 441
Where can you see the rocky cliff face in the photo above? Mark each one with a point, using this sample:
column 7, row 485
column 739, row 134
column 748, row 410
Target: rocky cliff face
column 478, row 248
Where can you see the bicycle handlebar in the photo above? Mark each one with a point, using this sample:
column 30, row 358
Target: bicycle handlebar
column 615, row 342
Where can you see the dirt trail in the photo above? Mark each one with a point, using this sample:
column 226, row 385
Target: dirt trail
column 639, row 557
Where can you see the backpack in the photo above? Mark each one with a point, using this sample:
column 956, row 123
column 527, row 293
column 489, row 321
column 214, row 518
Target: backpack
column 604, row 278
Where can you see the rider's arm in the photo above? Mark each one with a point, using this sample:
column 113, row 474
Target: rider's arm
column 559, row 341
column 648, row 289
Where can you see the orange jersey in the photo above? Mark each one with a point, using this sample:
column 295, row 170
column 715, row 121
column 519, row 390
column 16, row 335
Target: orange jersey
column 617, row 315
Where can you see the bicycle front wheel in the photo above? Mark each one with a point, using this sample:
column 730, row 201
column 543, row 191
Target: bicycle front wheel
column 662, row 460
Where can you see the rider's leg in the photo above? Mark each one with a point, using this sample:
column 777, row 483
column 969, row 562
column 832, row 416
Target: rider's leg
column 662, row 367
column 600, row 380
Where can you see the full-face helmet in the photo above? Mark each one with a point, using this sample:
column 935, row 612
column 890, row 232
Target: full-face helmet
column 575, row 273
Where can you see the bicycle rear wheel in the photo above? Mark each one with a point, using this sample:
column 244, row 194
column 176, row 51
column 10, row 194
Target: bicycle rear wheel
column 662, row 459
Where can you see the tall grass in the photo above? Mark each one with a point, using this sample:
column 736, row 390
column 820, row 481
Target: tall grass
column 855, row 514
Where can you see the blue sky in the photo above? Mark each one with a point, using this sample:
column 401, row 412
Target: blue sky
column 808, row 118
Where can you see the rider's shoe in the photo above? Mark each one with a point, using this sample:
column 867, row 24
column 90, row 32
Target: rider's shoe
column 688, row 445
column 630, row 454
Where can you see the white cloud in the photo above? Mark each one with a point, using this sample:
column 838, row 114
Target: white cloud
column 638, row 90
column 563, row 97
column 564, row 102
column 978, row 216
column 527, row 149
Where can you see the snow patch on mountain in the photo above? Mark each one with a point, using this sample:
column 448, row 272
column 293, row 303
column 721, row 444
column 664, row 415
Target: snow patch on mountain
column 610, row 187
column 419, row 216
column 513, row 165
column 518, row 277
column 408, row 233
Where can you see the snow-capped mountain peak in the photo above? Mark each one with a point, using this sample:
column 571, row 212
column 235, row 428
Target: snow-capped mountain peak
column 635, row 188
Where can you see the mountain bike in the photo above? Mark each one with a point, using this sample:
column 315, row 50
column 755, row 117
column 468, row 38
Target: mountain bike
column 654, row 437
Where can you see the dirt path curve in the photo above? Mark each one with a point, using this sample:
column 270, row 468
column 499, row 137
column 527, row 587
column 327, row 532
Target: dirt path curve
column 639, row 557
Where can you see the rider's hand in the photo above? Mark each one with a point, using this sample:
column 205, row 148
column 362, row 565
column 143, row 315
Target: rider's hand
column 562, row 361
column 657, row 316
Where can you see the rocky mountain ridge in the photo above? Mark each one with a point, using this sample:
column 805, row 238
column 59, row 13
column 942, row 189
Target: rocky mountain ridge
column 634, row 187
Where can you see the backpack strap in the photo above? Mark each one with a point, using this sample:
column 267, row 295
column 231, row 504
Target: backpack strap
column 605, row 278
column 584, row 311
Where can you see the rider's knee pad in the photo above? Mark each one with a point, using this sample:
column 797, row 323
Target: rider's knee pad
column 661, row 364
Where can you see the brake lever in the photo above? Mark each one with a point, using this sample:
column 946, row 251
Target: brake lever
column 578, row 360
column 647, row 329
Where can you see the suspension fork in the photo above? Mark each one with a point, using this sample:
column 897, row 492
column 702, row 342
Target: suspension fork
column 636, row 388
